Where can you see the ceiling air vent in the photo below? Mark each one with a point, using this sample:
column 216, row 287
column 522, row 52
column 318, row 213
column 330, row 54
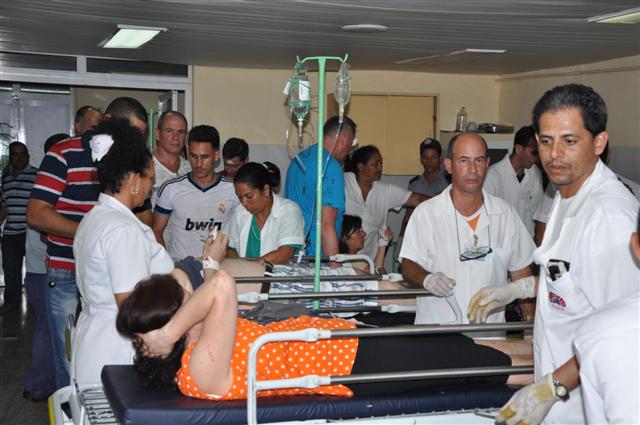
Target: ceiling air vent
column 37, row 61
column 117, row 66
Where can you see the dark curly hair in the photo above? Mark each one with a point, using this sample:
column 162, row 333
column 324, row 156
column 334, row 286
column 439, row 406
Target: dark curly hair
column 256, row 176
column 590, row 104
column 235, row 147
column 360, row 156
column 150, row 306
column 128, row 154
column 350, row 224
column 205, row 134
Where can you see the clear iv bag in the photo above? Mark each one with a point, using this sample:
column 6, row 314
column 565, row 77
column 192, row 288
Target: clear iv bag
column 299, row 96
column 343, row 88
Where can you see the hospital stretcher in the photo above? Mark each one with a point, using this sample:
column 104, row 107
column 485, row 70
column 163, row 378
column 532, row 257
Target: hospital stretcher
column 120, row 398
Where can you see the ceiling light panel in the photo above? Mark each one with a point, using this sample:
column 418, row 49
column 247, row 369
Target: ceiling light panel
column 130, row 37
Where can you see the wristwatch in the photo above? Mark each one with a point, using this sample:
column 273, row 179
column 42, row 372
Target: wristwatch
column 560, row 390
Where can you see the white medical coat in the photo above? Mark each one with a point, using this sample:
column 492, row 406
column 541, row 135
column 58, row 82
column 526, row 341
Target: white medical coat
column 284, row 226
column 113, row 251
column 592, row 235
column 381, row 198
column 524, row 196
column 607, row 347
column 430, row 241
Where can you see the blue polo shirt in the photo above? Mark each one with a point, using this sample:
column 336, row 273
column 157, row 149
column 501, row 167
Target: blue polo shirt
column 301, row 184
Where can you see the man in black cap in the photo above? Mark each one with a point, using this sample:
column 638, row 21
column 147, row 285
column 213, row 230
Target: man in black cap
column 432, row 181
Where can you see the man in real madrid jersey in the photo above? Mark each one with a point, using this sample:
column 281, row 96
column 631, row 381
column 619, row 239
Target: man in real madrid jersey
column 189, row 205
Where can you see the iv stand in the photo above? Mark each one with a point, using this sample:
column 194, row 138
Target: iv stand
column 322, row 60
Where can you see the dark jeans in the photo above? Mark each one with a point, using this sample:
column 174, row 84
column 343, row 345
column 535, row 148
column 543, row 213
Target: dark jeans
column 13, row 250
column 39, row 380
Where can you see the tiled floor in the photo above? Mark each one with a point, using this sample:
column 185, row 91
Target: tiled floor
column 15, row 354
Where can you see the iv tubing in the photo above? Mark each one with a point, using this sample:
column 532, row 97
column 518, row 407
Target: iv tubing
column 320, row 135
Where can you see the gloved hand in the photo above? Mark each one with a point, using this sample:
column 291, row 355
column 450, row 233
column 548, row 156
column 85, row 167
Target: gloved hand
column 385, row 235
column 492, row 297
column 530, row 404
column 439, row 284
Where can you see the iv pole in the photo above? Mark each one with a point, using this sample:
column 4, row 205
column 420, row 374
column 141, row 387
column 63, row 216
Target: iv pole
column 322, row 60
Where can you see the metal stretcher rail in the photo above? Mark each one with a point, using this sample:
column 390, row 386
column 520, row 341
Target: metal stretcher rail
column 431, row 374
column 350, row 294
column 310, row 278
column 313, row 381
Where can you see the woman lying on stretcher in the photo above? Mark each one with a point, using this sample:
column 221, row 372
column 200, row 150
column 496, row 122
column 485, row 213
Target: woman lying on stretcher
column 196, row 342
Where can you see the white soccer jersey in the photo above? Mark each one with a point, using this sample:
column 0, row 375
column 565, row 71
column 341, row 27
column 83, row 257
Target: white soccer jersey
column 192, row 210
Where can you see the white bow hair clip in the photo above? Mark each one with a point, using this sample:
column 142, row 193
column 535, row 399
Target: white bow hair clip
column 100, row 145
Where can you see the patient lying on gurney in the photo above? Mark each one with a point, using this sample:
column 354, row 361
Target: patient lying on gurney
column 198, row 343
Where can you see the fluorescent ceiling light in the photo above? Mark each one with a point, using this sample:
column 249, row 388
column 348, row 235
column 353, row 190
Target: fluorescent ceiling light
column 364, row 28
column 130, row 37
column 629, row 16
column 458, row 55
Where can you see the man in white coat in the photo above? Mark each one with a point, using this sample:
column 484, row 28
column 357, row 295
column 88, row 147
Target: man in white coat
column 464, row 238
column 584, row 258
column 517, row 179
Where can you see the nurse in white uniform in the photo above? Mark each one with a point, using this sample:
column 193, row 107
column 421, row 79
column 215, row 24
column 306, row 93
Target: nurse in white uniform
column 265, row 225
column 113, row 251
column 464, row 238
column 584, row 258
column 371, row 199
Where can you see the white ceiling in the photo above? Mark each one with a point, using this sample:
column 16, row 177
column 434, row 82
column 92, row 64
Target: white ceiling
column 537, row 34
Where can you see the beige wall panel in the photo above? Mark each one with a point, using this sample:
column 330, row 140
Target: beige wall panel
column 409, row 121
column 249, row 103
column 617, row 81
column 370, row 115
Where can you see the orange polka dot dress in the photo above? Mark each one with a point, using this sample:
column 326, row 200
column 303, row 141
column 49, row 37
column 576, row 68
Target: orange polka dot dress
column 282, row 360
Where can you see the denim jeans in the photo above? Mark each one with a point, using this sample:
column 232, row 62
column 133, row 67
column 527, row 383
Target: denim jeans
column 39, row 379
column 13, row 250
column 61, row 297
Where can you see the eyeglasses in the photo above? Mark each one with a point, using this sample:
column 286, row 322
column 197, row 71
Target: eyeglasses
column 475, row 252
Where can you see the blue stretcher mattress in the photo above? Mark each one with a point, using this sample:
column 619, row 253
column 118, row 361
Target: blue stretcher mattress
column 133, row 404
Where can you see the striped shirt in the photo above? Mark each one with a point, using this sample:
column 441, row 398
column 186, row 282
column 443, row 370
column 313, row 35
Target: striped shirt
column 15, row 196
column 68, row 180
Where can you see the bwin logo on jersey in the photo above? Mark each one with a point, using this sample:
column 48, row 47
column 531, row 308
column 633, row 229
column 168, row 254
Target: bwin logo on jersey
column 202, row 225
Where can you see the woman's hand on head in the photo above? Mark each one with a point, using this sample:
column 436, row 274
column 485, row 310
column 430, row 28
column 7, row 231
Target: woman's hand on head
column 156, row 343
column 216, row 248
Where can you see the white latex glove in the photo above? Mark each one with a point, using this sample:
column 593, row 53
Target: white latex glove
column 530, row 404
column 493, row 297
column 385, row 235
column 439, row 284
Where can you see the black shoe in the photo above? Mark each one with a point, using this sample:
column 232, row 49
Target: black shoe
column 8, row 308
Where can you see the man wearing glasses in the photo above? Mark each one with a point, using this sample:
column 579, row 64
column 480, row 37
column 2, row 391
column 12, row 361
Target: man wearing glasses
column 463, row 238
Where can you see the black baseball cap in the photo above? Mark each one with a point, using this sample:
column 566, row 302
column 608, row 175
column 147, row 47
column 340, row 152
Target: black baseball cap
column 430, row 143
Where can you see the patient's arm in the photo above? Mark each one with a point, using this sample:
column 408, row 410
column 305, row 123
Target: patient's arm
column 211, row 358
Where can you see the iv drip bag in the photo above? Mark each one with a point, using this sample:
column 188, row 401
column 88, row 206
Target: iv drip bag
column 299, row 96
column 343, row 88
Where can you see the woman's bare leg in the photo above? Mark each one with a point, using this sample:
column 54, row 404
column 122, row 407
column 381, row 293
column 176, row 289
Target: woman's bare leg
column 521, row 379
column 520, row 352
column 516, row 348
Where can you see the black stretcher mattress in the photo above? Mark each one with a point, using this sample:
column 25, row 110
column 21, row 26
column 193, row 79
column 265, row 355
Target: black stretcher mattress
column 133, row 404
